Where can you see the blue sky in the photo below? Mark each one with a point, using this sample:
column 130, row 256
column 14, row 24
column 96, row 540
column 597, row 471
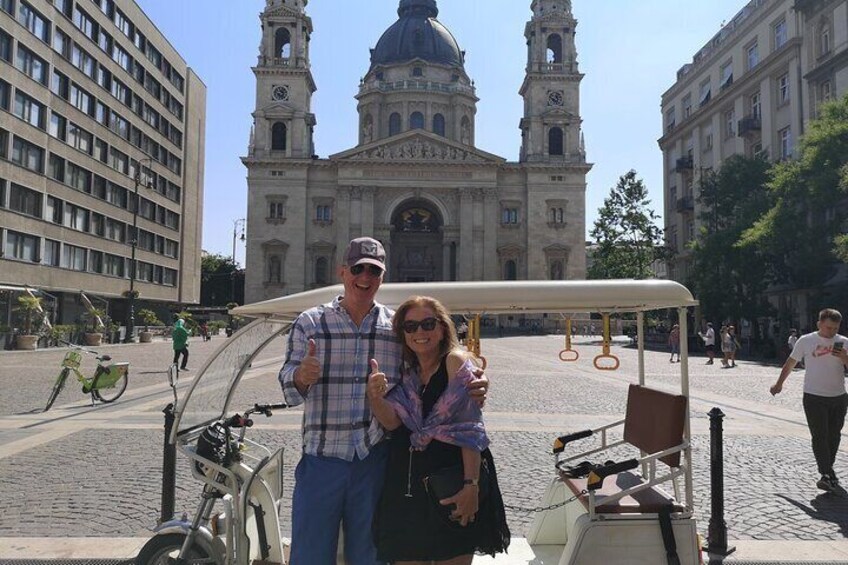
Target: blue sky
column 629, row 50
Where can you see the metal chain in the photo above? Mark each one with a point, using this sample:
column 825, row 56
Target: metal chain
column 545, row 508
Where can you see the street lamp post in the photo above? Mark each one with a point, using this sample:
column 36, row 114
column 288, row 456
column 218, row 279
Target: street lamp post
column 241, row 222
column 128, row 338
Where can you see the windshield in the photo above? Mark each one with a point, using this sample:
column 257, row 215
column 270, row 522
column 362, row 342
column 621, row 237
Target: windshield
column 209, row 396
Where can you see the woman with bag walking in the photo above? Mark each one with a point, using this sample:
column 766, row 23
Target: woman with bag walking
column 440, row 500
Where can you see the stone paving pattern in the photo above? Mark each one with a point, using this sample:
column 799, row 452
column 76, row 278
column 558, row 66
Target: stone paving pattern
column 105, row 481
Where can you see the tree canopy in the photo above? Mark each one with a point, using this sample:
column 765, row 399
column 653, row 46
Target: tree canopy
column 804, row 231
column 217, row 275
column 730, row 280
column 627, row 237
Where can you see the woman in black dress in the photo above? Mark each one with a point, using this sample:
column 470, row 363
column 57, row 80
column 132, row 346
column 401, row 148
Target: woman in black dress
column 434, row 425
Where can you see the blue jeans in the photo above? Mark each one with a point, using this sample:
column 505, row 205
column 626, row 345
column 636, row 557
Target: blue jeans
column 329, row 491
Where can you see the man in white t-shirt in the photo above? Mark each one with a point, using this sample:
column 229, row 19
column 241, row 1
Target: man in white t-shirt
column 825, row 399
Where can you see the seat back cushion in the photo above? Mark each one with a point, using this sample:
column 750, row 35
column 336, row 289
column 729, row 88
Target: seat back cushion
column 654, row 421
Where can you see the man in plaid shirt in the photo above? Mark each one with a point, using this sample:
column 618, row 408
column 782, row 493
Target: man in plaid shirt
column 340, row 475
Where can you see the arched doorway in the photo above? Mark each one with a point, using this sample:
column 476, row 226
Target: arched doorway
column 416, row 250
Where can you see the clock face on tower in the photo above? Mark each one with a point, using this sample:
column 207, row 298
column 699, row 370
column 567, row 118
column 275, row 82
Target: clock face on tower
column 280, row 92
column 555, row 98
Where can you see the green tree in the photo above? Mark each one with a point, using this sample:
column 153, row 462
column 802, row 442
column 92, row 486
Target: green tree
column 217, row 275
column 729, row 280
column 627, row 237
column 804, row 230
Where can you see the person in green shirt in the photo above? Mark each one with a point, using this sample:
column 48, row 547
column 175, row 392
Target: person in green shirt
column 180, row 338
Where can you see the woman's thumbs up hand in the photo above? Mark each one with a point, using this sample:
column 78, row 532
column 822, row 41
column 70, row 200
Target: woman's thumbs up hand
column 377, row 383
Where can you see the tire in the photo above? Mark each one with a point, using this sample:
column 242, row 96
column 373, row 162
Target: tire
column 160, row 550
column 112, row 393
column 57, row 388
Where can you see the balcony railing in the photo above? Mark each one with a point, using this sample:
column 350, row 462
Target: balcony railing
column 683, row 164
column 553, row 68
column 685, row 204
column 295, row 62
column 418, row 85
column 748, row 125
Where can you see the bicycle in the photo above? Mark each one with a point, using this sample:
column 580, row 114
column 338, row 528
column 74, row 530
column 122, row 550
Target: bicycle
column 107, row 385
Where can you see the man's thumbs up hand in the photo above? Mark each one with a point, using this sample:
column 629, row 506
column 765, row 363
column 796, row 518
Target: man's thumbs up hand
column 377, row 383
column 310, row 368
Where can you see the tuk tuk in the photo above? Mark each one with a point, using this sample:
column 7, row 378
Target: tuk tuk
column 633, row 511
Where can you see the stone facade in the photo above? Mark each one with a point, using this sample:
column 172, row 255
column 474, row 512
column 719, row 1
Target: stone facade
column 751, row 90
column 444, row 209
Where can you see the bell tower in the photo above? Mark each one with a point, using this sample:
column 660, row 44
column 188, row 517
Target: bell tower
column 283, row 122
column 550, row 129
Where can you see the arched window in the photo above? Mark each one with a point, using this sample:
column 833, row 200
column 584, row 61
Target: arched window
column 416, row 120
column 554, row 48
column 278, row 136
column 555, row 141
column 275, row 269
column 439, row 125
column 394, row 124
column 510, row 270
column 322, row 271
column 282, row 43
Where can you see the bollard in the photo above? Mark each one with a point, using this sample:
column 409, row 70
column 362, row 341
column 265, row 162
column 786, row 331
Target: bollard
column 169, row 468
column 717, row 534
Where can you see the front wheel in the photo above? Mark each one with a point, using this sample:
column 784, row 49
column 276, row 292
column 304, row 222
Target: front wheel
column 110, row 393
column 57, row 388
column 162, row 550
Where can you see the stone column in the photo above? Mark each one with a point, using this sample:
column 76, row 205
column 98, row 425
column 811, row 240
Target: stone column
column 368, row 211
column 466, row 234
column 356, row 212
column 446, row 249
column 490, row 239
column 342, row 222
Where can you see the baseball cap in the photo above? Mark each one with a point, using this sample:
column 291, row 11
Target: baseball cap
column 365, row 250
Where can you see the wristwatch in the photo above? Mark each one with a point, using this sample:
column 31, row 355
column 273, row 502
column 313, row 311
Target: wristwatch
column 472, row 482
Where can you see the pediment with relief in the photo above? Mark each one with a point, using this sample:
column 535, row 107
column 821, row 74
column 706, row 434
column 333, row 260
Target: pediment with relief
column 276, row 110
column 417, row 146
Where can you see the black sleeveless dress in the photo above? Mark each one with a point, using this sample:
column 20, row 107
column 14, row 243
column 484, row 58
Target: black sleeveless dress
column 408, row 528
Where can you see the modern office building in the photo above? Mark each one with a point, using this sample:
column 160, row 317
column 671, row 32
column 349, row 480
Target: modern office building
column 444, row 209
column 96, row 105
column 750, row 90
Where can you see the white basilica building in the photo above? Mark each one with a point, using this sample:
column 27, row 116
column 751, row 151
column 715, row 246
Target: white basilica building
column 443, row 209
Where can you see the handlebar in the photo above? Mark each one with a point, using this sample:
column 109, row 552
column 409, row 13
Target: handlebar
column 244, row 421
column 78, row 347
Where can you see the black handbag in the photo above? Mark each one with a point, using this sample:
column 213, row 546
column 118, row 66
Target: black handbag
column 446, row 482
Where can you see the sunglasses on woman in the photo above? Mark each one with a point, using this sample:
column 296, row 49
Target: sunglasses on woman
column 373, row 270
column 427, row 324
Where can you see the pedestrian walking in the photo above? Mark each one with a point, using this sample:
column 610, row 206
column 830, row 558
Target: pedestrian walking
column 674, row 342
column 825, row 399
column 733, row 346
column 790, row 344
column 340, row 474
column 724, row 339
column 179, row 337
column 709, row 342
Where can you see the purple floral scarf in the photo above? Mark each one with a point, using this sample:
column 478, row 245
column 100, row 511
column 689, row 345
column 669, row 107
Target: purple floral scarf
column 455, row 418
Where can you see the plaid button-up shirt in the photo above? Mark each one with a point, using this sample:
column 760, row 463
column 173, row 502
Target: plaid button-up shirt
column 337, row 418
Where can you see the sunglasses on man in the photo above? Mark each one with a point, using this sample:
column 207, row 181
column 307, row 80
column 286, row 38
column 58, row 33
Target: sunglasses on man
column 427, row 324
column 373, row 270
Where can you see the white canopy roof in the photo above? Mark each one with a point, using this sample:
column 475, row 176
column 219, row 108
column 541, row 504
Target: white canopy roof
column 502, row 297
